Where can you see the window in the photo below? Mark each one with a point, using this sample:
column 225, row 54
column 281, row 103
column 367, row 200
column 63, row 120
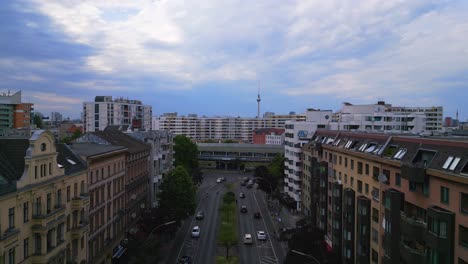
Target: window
column 397, row 179
column 25, row 212
column 49, row 203
column 463, row 236
column 11, row 256
column 339, row 160
column 37, row 244
column 50, row 168
column 26, row 247
column 346, row 162
column 68, row 193
column 412, row 186
column 59, row 198
column 443, row 229
column 451, row 163
column 11, row 218
column 444, row 195
column 352, row 164
column 359, row 186
column 35, row 172
column 375, row 215
column 375, row 236
column 464, row 203
column 359, row 167
column 352, row 181
column 367, row 169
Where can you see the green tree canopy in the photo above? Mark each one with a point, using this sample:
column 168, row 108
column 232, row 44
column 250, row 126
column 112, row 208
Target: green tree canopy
column 177, row 196
column 186, row 155
column 37, row 120
column 271, row 175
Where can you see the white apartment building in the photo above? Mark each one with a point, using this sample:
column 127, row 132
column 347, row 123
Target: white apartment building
column 274, row 139
column 298, row 133
column 383, row 117
column 105, row 111
column 219, row 128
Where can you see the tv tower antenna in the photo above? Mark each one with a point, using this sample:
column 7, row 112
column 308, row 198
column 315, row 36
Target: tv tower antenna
column 258, row 101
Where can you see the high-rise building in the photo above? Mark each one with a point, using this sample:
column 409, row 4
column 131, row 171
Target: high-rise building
column 105, row 111
column 14, row 114
column 56, row 117
column 43, row 201
column 219, row 128
column 296, row 135
column 388, row 198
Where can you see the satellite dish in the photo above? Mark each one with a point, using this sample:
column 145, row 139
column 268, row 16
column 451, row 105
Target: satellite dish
column 382, row 178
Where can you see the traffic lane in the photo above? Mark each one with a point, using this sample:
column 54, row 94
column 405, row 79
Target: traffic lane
column 189, row 246
column 249, row 253
column 277, row 247
column 207, row 246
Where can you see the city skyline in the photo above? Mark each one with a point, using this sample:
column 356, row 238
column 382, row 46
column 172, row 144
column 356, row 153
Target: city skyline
column 210, row 58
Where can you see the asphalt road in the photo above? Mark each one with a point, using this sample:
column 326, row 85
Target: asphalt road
column 204, row 249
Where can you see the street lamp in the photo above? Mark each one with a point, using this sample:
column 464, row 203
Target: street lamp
column 306, row 255
column 154, row 229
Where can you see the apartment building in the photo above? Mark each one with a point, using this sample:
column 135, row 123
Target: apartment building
column 296, row 135
column 106, row 185
column 105, row 111
column 44, row 201
column 268, row 136
column 136, row 170
column 388, row 198
column 14, row 114
column 219, row 128
column 161, row 158
column 382, row 117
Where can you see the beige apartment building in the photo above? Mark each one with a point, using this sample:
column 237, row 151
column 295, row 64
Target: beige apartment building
column 43, row 201
column 388, row 198
column 106, row 181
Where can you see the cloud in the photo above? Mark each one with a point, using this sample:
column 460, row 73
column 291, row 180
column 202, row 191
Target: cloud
column 338, row 50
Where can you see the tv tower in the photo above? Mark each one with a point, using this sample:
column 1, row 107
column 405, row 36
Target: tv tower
column 258, row 102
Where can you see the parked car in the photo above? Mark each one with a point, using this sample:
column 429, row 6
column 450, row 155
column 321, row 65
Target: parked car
column 219, row 180
column 196, row 231
column 243, row 209
column 200, row 215
column 250, row 184
column 261, row 235
column 257, row 215
column 242, row 195
column 248, row 239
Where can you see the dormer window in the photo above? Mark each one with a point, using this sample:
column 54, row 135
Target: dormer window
column 371, row 147
column 451, row 163
column 424, row 157
column 363, row 147
column 43, row 147
column 399, row 155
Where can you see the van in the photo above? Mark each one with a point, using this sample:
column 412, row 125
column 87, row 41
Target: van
column 248, row 239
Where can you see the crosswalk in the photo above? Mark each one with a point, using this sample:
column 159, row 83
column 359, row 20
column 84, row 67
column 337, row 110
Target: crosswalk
column 268, row 260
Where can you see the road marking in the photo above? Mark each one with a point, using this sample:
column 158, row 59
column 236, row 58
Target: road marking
column 268, row 260
column 266, row 230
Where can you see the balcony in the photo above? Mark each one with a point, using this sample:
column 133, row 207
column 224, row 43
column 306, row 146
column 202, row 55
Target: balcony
column 412, row 228
column 413, row 172
column 43, row 218
column 412, row 255
column 77, row 203
column 78, row 230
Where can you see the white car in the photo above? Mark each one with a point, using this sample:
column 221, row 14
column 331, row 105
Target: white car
column 196, row 231
column 261, row 235
column 219, row 180
column 248, row 239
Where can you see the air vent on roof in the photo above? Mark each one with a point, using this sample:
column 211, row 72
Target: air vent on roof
column 60, row 165
column 348, row 144
column 71, row 162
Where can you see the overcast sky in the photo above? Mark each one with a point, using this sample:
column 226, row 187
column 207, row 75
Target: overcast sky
column 210, row 56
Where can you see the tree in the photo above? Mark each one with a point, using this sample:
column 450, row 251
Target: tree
column 186, row 155
column 37, row 120
column 177, row 197
column 227, row 236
